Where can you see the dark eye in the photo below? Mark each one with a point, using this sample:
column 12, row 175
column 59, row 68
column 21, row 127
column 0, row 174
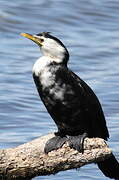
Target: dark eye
column 42, row 40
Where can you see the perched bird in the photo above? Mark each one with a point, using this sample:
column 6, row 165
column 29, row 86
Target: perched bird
column 71, row 103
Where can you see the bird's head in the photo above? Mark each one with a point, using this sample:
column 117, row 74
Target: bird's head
column 50, row 46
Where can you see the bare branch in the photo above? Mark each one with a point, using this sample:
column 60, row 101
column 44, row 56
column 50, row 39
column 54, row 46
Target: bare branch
column 28, row 160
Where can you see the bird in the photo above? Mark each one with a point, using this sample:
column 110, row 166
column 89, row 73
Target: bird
column 69, row 100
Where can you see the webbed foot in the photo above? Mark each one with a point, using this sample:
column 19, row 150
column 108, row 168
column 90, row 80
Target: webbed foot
column 54, row 143
column 76, row 142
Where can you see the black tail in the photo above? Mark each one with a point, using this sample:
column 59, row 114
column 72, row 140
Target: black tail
column 110, row 167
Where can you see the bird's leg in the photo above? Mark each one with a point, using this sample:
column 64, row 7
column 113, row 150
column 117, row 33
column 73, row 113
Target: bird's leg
column 55, row 143
column 76, row 142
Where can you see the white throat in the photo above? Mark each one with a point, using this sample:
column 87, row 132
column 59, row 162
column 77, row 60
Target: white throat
column 42, row 63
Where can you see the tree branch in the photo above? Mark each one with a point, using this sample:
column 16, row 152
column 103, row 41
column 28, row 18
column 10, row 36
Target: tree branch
column 28, row 160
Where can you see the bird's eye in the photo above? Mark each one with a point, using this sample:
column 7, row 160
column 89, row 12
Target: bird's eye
column 42, row 40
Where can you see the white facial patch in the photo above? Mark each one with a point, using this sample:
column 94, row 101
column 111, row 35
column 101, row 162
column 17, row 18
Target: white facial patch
column 53, row 49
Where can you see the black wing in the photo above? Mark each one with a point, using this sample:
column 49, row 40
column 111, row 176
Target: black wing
column 93, row 111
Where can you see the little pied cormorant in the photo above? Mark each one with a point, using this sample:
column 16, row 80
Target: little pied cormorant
column 71, row 103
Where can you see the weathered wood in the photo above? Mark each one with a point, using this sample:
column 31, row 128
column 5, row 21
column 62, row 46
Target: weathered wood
column 28, row 160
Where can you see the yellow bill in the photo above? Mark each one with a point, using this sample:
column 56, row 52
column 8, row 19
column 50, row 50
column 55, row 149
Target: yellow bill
column 33, row 38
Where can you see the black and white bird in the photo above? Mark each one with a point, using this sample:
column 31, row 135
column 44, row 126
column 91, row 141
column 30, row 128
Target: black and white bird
column 71, row 103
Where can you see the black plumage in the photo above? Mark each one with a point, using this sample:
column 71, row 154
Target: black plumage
column 71, row 103
column 79, row 110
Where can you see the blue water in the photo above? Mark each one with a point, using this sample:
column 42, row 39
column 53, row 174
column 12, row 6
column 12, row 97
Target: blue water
column 90, row 30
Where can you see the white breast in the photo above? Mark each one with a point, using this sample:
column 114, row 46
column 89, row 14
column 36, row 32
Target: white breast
column 42, row 70
column 47, row 76
column 40, row 65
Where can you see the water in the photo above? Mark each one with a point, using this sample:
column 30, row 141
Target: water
column 90, row 30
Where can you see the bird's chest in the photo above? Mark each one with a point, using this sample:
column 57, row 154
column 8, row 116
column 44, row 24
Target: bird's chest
column 47, row 78
column 43, row 73
column 52, row 86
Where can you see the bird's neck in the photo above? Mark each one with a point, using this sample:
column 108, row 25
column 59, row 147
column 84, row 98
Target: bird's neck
column 44, row 62
column 45, row 69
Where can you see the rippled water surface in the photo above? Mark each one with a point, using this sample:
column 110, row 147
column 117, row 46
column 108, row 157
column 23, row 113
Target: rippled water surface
column 90, row 30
